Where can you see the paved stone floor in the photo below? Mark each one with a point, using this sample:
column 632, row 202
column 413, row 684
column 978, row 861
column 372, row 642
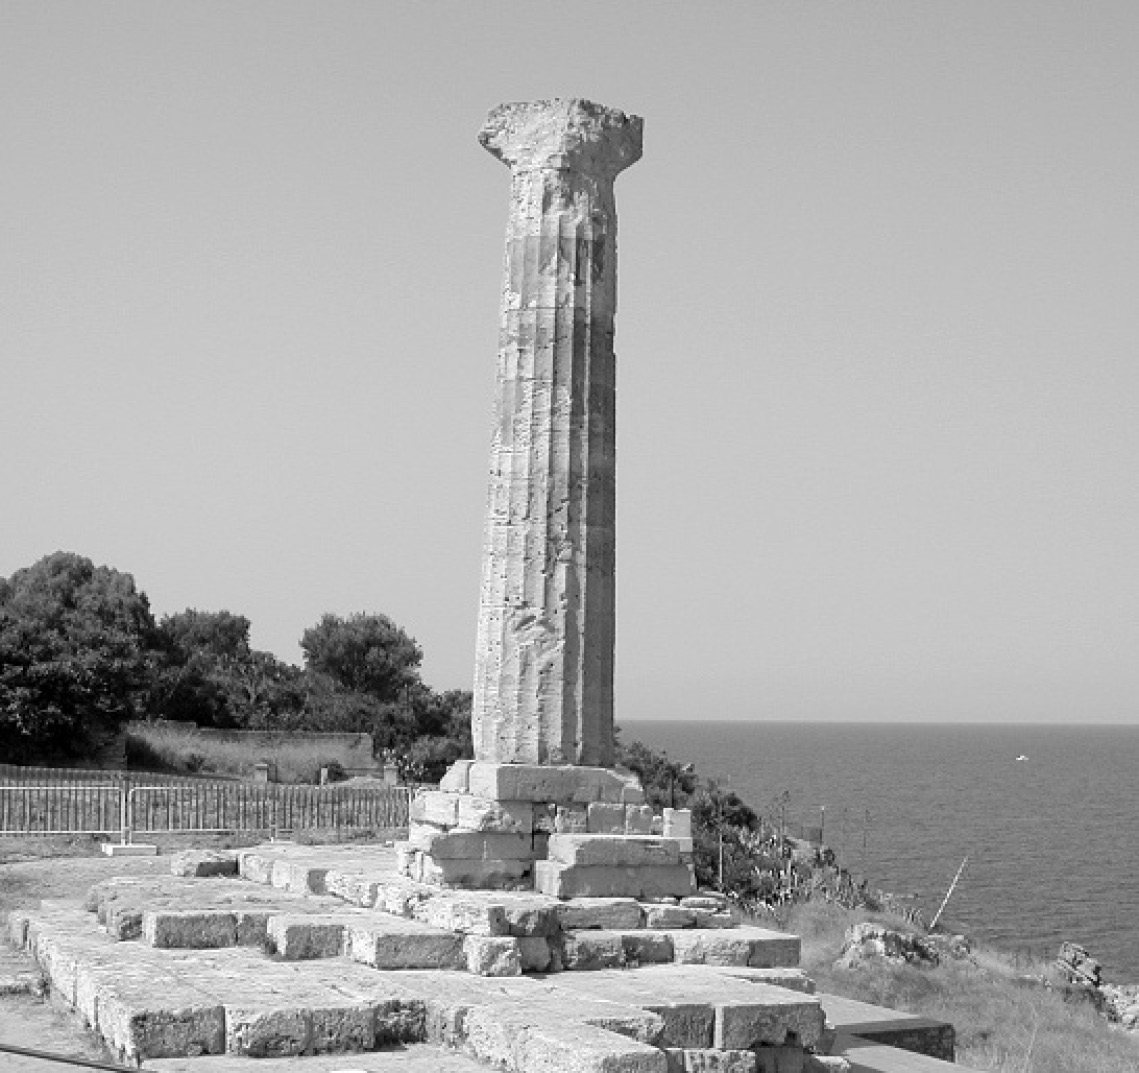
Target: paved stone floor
column 323, row 959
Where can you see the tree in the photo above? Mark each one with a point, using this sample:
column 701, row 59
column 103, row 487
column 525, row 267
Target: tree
column 667, row 784
column 221, row 634
column 74, row 642
column 441, row 734
column 722, row 826
column 263, row 692
column 195, row 654
column 363, row 653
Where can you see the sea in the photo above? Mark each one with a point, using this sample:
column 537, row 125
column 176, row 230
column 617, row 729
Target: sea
column 1047, row 817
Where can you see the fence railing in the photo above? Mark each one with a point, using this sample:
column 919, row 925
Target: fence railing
column 126, row 810
column 18, row 775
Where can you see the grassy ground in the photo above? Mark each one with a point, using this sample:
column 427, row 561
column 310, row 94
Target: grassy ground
column 181, row 749
column 1003, row 1025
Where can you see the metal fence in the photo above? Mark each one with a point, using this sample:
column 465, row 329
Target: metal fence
column 128, row 810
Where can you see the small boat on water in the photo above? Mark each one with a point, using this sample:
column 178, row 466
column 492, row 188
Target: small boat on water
column 1021, row 757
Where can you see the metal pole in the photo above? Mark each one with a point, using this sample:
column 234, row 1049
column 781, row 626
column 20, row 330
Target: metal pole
column 48, row 1056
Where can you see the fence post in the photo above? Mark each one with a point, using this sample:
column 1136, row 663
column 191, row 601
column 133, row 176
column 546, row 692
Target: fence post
column 125, row 813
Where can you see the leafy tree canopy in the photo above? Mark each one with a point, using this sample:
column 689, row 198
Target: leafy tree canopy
column 220, row 634
column 74, row 639
column 364, row 653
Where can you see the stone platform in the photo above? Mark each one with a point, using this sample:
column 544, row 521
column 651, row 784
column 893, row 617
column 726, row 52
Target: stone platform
column 566, row 831
column 326, row 950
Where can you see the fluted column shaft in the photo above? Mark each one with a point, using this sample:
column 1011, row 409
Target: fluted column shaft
column 544, row 664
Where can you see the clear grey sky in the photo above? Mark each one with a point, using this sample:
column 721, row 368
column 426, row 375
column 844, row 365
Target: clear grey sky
column 878, row 333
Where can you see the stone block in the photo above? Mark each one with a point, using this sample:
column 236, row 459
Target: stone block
column 593, row 950
column 704, row 900
column 472, row 915
column 18, row 928
column 399, row 895
column 531, row 915
column 298, row 877
column 257, row 1032
column 638, row 820
column 571, row 819
column 704, row 918
column 677, row 822
column 632, row 794
column 408, row 861
column 342, row 1029
column 546, row 819
column 565, row 1047
column 299, row 937
column 356, row 888
column 471, row 845
column 773, row 1018
column 129, row 849
column 255, row 866
column 252, row 925
column 199, row 863
column 189, row 929
column 483, row 814
column 534, row 953
column 405, row 944
column 710, row 1061
column 438, row 807
column 58, row 962
column 456, row 778
column 400, row 1020
column 606, row 819
column 477, row 874
column 162, row 1019
column 741, row 946
column 545, row 783
column 560, row 880
column 619, row 850
column 771, row 949
column 646, row 947
column 833, row 1063
column 489, row 956
column 669, row 916
column 614, row 914
column 490, row 1035
column 791, row 978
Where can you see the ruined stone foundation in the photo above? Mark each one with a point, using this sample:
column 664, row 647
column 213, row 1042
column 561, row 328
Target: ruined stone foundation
column 563, row 831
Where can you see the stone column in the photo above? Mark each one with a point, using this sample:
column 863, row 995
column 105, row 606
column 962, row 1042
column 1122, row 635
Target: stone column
column 544, row 665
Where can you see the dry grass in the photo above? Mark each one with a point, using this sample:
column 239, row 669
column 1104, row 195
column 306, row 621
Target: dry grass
column 1003, row 1025
column 179, row 749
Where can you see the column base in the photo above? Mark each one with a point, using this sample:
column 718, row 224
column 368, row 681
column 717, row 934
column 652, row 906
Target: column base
column 489, row 826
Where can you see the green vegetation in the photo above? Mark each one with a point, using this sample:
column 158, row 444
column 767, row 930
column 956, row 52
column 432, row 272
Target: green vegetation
column 181, row 749
column 748, row 857
column 74, row 648
column 1005, row 1023
column 81, row 654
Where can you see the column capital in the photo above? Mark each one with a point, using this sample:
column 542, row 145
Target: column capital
column 571, row 134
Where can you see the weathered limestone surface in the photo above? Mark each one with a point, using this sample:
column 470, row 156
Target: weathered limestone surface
column 544, row 661
column 560, row 880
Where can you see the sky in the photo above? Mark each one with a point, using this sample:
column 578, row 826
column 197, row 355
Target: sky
column 878, row 331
